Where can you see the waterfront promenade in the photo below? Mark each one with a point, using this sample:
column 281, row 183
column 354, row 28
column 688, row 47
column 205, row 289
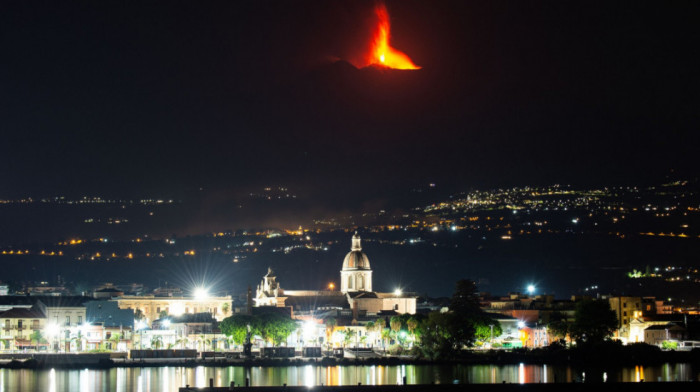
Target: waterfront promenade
column 568, row 387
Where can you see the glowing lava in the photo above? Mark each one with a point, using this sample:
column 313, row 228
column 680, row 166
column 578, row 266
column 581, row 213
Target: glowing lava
column 381, row 53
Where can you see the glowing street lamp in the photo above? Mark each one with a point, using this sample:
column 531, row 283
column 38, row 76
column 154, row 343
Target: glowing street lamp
column 53, row 330
column 201, row 293
column 530, row 289
column 398, row 292
column 308, row 331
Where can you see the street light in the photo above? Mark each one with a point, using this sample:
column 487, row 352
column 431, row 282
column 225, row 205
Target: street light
column 201, row 293
column 530, row 289
column 53, row 330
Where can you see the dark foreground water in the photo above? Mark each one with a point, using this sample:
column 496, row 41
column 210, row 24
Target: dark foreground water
column 171, row 378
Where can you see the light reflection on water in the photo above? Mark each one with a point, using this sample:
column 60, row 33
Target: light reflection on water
column 166, row 379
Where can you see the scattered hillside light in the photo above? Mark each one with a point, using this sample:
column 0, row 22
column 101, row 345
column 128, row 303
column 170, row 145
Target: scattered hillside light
column 574, row 221
column 530, row 288
column 454, row 228
column 331, row 286
column 201, row 293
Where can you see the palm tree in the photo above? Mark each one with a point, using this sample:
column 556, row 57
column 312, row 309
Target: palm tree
column 78, row 339
column 349, row 334
column 412, row 324
column 395, row 324
column 369, row 327
column 202, row 342
column 157, row 342
column 330, row 325
column 36, row 337
column 386, row 336
column 182, row 342
column 114, row 340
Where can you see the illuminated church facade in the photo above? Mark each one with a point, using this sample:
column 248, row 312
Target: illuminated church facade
column 355, row 295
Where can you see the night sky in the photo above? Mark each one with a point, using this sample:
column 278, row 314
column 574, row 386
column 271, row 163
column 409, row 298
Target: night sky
column 154, row 98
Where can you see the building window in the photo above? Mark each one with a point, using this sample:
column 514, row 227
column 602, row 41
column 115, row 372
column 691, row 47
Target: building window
column 396, row 307
column 187, row 310
column 158, row 309
column 67, row 320
column 624, row 313
column 349, row 282
column 7, row 324
column 624, row 304
column 80, row 319
column 215, row 310
column 360, row 283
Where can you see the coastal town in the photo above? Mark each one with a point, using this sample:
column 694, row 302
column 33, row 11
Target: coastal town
column 345, row 320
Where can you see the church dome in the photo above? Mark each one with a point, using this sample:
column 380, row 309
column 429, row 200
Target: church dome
column 356, row 259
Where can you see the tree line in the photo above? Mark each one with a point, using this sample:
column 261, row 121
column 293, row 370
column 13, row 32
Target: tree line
column 437, row 334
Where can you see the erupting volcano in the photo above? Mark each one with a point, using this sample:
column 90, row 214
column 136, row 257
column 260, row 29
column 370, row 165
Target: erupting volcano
column 380, row 52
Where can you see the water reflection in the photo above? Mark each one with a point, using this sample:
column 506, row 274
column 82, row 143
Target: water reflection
column 167, row 379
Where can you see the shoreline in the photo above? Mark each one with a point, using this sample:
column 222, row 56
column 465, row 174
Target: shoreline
column 581, row 359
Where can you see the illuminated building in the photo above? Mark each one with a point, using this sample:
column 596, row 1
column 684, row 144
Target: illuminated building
column 626, row 309
column 152, row 306
column 355, row 297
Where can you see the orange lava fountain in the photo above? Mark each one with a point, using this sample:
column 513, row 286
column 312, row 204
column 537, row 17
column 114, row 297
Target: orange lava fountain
column 381, row 53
